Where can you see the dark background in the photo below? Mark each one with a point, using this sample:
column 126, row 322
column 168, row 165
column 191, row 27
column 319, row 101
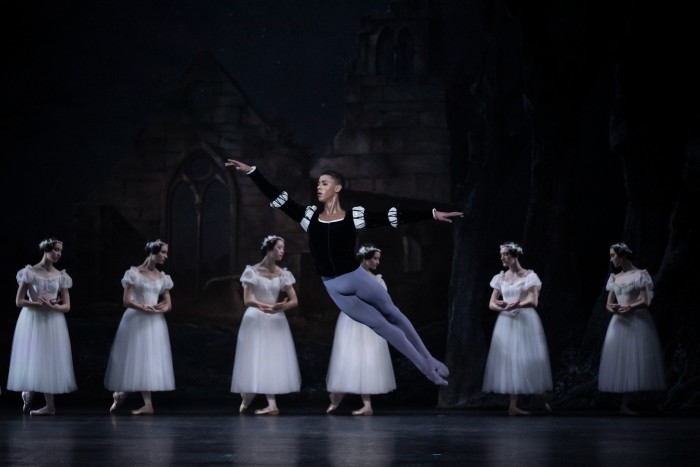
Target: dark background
column 573, row 126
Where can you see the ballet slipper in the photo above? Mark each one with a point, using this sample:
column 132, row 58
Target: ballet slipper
column 26, row 401
column 143, row 411
column 331, row 408
column 119, row 398
column 363, row 411
column 43, row 411
column 267, row 411
column 242, row 408
column 517, row 411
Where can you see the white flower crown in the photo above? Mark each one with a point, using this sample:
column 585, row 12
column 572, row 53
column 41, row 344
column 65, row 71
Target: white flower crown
column 269, row 239
column 47, row 242
column 512, row 246
column 622, row 246
column 365, row 249
column 155, row 243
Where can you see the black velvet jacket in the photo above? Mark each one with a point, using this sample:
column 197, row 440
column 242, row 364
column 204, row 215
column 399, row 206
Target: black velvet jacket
column 333, row 243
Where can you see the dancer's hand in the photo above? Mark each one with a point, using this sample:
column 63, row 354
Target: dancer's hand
column 281, row 306
column 624, row 309
column 500, row 303
column 238, row 165
column 512, row 306
column 446, row 216
column 614, row 307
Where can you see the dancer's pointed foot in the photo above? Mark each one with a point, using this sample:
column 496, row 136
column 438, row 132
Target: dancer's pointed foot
column 26, row 401
column 44, row 411
column 143, row 411
column 363, row 411
column 547, row 408
column 267, row 411
column 331, row 408
column 242, row 408
column 119, row 398
column 436, row 378
column 517, row 411
column 441, row 368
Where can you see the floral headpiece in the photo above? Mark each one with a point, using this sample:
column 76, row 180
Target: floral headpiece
column 513, row 248
column 366, row 249
column 269, row 239
column 621, row 246
column 155, row 244
column 48, row 242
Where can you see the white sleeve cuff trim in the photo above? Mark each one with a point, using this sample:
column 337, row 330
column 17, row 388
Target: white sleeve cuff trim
column 393, row 216
column 280, row 200
column 358, row 217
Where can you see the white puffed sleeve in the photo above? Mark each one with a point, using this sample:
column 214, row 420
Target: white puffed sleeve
column 644, row 280
column 130, row 277
column 533, row 280
column 611, row 281
column 287, row 278
column 496, row 281
column 248, row 276
column 380, row 279
column 26, row 275
column 167, row 282
column 64, row 280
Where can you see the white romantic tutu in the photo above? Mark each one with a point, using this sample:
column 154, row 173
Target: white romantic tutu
column 266, row 360
column 518, row 361
column 631, row 359
column 360, row 361
column 140, row 359
column 41, row 354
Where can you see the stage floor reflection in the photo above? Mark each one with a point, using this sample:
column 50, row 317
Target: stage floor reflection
column 208, row 436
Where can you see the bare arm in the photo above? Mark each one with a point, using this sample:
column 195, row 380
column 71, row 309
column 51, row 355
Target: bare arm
column 643, row 302
column 495, row 303
column 128, row 302
column 290, row 302
column 165, row 305
column 21, row 299
column 611, row 304
column 248, row 300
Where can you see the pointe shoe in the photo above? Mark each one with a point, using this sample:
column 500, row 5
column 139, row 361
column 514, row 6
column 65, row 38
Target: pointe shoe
column 363, row 411
column 26, row 401
column 331, row 408
column 267, row 411
column 119, row 398
column 547, row 408
column 242, row 408
column 43, row 411
column 142, row 411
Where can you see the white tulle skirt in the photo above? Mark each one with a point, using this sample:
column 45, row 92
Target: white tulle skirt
column 266, row 360
column 360, row 361
column 140, row 359
column 41, row 358
column 631, row 359
column 518, row 361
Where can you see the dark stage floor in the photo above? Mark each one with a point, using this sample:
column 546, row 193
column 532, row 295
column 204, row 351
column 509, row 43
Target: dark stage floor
column 82, row 436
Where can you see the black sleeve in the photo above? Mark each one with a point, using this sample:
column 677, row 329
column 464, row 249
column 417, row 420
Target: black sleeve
column 278, row 199
column 392, row 217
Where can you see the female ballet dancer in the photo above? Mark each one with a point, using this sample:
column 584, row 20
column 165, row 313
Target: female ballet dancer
column 332, row 238
column 140, row 359
column 41, row 359
column 266, row 360
column 360, row 361
column 631, row 359
column 518, row 360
